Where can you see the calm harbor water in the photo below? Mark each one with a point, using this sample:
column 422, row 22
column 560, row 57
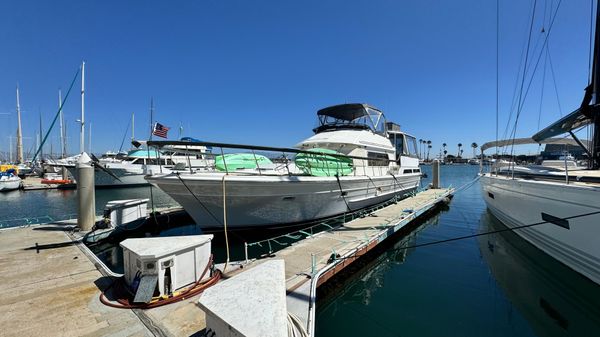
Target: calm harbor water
column 494, row 285
column 19, row 208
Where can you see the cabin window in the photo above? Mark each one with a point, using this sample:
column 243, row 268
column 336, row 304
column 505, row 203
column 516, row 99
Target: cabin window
column 411, row 146
column 408, row 171
column 398, row 143
column 154, row 161
column 377, row 159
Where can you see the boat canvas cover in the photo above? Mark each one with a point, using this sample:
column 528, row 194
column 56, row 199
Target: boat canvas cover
column 571, row 121
column 523, row 141
column 238, row 161
column 324, row 163
column 346, row 112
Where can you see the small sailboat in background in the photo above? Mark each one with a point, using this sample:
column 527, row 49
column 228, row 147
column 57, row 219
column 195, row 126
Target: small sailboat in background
column 9, row 180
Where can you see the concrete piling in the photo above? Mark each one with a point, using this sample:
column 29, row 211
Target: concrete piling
column 436, row 174
column 86, row 196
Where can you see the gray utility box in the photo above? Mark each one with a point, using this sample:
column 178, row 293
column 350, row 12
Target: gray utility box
column 177, row 261
column 121, row 212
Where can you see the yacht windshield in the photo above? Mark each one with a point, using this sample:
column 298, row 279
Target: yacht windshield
column 351, row 116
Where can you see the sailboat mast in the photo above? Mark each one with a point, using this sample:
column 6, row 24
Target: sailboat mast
column 41, row 147
column 61, row 120
column 82, row 120
column 19, row 132
column 90, row 139
column 132, row 126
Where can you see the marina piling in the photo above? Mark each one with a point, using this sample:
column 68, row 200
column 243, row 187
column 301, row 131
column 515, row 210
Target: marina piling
column 86, row 207
column 435, row 180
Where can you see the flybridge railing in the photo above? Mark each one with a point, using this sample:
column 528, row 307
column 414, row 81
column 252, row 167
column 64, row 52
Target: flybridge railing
column 281, row 159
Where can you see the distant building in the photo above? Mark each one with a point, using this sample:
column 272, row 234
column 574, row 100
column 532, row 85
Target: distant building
column 553, row 151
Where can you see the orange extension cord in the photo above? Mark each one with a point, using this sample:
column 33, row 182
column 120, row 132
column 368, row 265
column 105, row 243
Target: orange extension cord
column 123, row 302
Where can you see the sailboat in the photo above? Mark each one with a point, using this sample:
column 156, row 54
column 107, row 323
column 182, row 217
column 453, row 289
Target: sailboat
column 557, row 209
column 355, row 159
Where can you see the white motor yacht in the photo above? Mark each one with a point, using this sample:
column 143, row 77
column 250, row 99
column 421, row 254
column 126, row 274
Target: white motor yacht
column 354, row 160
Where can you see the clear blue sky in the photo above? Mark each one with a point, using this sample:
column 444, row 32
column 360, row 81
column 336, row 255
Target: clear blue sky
column 256, row 71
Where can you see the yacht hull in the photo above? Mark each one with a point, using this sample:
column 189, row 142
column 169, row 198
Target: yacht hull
column 277, row 200
column 128, row 176
column 518, row 202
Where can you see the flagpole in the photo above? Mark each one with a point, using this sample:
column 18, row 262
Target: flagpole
column 151, row 116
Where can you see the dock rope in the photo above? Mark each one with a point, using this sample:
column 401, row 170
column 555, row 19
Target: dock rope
column 198, row 200
column 225, row 222
column 337, row 177
column 458, row 238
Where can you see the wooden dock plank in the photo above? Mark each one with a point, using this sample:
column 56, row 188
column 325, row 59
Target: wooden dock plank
column 52, row 292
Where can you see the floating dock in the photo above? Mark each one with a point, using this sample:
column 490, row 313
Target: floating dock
column 52, row 281
column 312, row 261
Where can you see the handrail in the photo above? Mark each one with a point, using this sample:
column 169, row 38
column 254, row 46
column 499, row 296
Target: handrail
column 162, row 143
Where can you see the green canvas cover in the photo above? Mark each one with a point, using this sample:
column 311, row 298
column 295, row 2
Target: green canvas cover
column 323, row 164
column 236, row 161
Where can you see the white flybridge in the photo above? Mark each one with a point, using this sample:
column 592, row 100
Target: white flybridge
column 559, row 207
column 354, row 160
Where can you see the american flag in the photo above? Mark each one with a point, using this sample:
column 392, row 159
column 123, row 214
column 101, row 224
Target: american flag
column 160, row 130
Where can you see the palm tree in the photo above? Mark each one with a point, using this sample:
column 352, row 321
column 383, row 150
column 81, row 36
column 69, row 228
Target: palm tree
column 445, row 152
column 459, row 150
column 428, row 149
column 420, row 146
column 474, row 146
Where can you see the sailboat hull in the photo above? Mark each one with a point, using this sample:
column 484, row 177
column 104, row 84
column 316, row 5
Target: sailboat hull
column 278, row 200
column 519, row 202
column 10, row 184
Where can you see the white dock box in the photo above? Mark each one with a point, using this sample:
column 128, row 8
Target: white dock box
column 125, row 211
column 184, row 258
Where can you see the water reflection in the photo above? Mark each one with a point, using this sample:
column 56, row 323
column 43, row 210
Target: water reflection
column 361, row 283
column 556, row 300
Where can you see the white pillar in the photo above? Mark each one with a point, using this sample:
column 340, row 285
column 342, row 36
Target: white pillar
column 86, row 197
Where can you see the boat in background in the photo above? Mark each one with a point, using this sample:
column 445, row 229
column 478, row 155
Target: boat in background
column 128, row 169
column 354, row 160
column 9, row 180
